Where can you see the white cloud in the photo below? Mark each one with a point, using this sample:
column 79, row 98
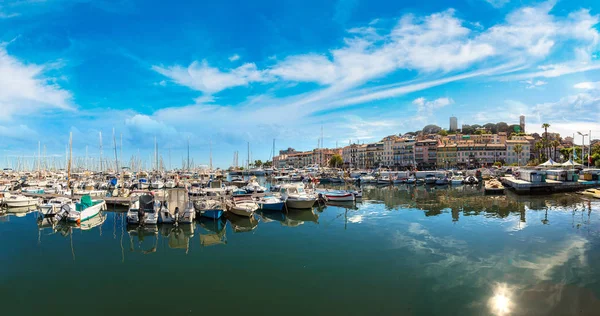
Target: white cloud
column 426, row 109
column 530, row 84
column 234, row 57
column 200, row 76
column 24, row 89
column 588, row 85
column 497, row 3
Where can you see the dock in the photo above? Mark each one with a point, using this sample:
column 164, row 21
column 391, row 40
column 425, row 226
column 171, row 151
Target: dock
column 549, row 186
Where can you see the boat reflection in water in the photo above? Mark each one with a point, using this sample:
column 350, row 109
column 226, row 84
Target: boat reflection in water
column 141, row 233
column 297, row 217
column 242, row 224
column 180, row 235
column 21, row 211
column 212, row 231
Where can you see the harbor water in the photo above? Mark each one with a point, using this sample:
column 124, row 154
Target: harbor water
column 402, row 250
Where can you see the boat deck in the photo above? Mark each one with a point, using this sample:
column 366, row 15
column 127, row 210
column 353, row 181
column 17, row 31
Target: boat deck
column 550, row 186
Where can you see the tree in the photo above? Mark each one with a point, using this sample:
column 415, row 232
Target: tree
column 538, row 148
column 490, row 127
column 467, row 129
column 257, row 163
column 555, row 144
column 518, row 150
column 501, row 127
column 336, row 161
column 268, row 164
column 443, row 133
column 431, row 129
column 545, row 127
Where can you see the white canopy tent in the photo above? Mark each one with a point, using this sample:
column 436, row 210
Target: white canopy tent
column 571, row 163
column 550, row 163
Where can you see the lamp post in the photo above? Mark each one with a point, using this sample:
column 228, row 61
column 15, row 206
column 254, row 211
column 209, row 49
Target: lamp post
column 583, row 147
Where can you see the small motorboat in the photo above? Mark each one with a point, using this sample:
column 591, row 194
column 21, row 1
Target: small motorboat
column 53, row 206
column 242, row 205
column 188, row 215
column 81, row 211
column 384, row 180
column 457, row 180
column 471, row 180
column 339, row 196
column 144, row 211
column 430, row 179
column 494, row 187
column 357, row 194
column 442, row 181
column 296, row 197
column 209, row 208
column 270, row 203
column 11, row 200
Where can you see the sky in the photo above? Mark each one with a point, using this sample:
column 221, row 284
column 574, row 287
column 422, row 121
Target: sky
column 228, row 73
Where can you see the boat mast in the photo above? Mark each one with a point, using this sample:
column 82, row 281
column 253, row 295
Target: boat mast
column 116, row 157
column 156, row 153
column 100, row 151
column 188, row 156
column 69, row 161
column 39, row 157
column 210, row 158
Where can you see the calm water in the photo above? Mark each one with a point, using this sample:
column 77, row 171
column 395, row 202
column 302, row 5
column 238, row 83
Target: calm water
column 401, row 251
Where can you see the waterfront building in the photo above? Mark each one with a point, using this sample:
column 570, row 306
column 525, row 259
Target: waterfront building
column 446, row 154
column 350, row 156
column 362, row 156
column 426, row 153
column 512, row 157
column 374, row 157
column 388, row 150
column 404, row 155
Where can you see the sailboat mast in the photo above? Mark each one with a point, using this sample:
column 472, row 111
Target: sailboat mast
column 188, row 156
column 69, row 161
column 116, row 157
column 156, row 153
column 101, row 152
column 210, row 158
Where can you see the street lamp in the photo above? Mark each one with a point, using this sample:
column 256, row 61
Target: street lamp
column 583, row 147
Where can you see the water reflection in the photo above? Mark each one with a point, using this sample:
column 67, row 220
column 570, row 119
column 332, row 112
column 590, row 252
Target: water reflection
column 242, row 224
column 212, row 232
column 477, row 254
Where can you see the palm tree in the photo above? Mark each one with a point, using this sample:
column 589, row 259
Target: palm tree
column 545, row 127
column 518, row 149
column 538, row 148
column 555, row 144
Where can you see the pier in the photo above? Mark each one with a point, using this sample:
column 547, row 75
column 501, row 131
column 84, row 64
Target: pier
column 549, row 186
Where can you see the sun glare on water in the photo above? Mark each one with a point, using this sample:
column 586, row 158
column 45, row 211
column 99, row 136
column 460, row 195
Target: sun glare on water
column 500, row 303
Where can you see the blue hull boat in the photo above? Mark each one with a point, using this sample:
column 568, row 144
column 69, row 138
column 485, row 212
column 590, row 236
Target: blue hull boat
column 214, row 214
column 277, row 206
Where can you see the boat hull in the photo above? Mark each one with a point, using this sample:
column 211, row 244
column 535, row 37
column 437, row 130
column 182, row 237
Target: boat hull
column 300, row 204
column 214, row 214
column 340, row 197
column 86, row 214
column 23, row 203
column 241, row 211
column 272, row 206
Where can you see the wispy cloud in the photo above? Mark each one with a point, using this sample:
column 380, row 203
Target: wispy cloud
column 234, row 57
column 497, row 3
column 26, row 90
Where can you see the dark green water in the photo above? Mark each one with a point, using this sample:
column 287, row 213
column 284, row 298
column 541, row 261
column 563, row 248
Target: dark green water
column 401, row 251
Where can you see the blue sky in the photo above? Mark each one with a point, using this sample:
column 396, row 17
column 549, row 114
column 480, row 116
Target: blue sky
column 232, row 72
